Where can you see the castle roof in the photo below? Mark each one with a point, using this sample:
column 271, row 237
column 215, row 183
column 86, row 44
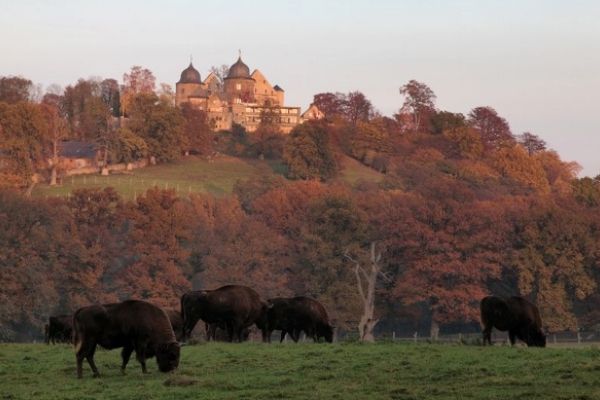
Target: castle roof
column 190, row 75
column 239, row 70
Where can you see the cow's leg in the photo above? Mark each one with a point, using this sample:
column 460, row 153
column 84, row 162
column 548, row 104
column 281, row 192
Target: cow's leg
column 140, row 355
column 125, row 355
column 512, row 336
column 230, row 331
column 295, row 334
column 90, row 359
column 283, row 332
column 487, row 335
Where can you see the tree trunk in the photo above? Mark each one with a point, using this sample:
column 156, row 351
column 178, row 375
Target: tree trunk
column 53, row 175
column 434, row 330
column 366, row 283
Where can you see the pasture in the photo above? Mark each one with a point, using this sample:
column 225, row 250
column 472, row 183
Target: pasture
column 193, row 175
column 308, row 371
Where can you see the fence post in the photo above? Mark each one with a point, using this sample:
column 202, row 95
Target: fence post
column 554, row 338
column 393, row 336
column 460, row 337
column 415, row 336
column 578, row 337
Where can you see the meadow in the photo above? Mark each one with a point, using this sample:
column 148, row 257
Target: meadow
column 193, row 175
column 310, row 371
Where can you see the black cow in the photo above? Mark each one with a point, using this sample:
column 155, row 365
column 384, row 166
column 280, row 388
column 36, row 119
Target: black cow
column 294, row 315
column 132, row 325
column 59, row 329
column 233, row 306
column 514, row 314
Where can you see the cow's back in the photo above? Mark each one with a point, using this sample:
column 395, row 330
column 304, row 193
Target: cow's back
column 524, row 311
column 235, row 301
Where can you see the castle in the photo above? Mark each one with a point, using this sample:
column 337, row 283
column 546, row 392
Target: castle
column 241, row 98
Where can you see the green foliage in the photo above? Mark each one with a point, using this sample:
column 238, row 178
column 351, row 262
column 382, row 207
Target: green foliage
column 159, row 124
column 128, row 147
column 309, row 154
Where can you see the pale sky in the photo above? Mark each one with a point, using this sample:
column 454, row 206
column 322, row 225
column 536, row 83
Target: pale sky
column 536, row 62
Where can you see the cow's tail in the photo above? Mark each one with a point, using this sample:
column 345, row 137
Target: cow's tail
column 76, row 339
column 182, row 312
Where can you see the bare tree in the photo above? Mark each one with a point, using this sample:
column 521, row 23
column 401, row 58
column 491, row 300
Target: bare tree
column 221, row 73
column 366, row 281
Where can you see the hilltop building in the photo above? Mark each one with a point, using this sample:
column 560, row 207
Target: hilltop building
column 241, row 99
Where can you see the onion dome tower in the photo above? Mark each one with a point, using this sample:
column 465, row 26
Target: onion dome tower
column 239, row 85
column 189, row 85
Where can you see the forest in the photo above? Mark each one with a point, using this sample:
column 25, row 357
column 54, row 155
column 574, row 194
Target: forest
column 465, row 208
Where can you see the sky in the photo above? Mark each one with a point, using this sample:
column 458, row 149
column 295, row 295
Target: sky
column 536, row 62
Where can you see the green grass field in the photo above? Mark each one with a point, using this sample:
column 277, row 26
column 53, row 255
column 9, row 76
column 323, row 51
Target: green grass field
column 310, row 371
column 192, row 175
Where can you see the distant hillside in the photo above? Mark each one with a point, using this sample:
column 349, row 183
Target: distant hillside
column 194, row 174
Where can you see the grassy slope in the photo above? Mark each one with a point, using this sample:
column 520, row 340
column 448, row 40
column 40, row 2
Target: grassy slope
column 339, row 371
column 192, row 175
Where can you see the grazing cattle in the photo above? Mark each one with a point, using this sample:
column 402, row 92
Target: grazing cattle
column 516, row 315
column 132, row 325
column 294, row 315
column 59, row 329
column 176, row 322
column 233, row 306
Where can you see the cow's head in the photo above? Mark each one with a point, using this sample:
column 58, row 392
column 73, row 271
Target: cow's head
column 167, row 356
column 537, row 338
column 327, row 333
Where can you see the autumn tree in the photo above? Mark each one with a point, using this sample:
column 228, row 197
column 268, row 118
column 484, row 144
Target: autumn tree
column 138, row 81
column 56, row 132
column 158, row 259
column 22, row 133
column 494, row 130
column 331, row 104
column 443, row 121
column 159, row 124
column 236, row 248
column 86, row 111
column 419, row 102
column 356, row 107
column 532, row 143
column 308, row 153
column 14, row 89
column 446, row 253
column 553, row 257
column 197, row 136
column 111, row 96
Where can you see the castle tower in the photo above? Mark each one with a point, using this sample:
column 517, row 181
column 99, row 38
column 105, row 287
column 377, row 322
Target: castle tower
column 239, row 85
column 189, row 85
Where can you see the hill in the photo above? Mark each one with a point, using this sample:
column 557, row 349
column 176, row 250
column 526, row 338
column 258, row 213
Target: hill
column 289, row 371
column 194, row 174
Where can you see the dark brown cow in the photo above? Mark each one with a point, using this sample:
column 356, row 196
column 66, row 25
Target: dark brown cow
column 176, row 322
column 132, row 325
column 59, row 329
column 514, row 314
column 233, row 306
column 294, row 315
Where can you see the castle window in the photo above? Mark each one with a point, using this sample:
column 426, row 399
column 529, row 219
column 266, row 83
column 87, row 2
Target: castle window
column 182, row 91
column 238, row 86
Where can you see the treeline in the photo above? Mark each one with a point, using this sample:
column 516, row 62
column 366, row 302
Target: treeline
column 465, row 208
column 434, row 256
column 126, row 122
